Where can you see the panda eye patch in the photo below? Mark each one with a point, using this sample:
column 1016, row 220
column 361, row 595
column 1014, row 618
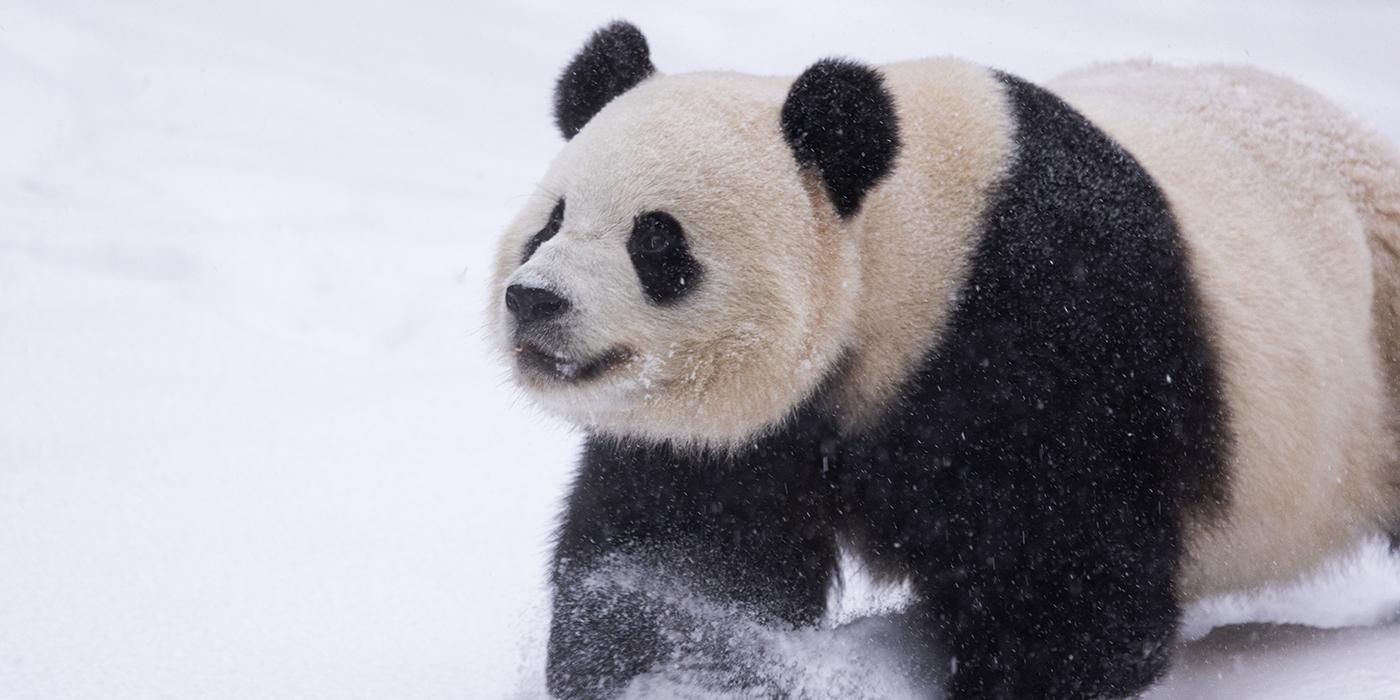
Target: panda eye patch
column 660, row 255
column 551, row 227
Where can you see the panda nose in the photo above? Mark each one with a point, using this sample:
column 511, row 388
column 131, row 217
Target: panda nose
column 531, row 304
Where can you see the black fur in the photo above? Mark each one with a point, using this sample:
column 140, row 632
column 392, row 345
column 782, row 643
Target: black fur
column 551, row 227
column 839, row 120
column 662, row 258
column 757, row 532
column 613, row 61
column 1035, row 476
column 1031, row 479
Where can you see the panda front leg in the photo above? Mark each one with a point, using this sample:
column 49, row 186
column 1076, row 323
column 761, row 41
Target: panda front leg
column 1083, row 608
column 664, row 561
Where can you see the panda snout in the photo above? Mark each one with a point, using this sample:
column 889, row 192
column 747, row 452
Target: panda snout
column 534, row 304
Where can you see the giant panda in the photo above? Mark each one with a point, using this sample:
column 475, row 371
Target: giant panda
column 1062, row 358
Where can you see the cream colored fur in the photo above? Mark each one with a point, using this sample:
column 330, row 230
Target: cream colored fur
column 1291, row 215
column 917, row 230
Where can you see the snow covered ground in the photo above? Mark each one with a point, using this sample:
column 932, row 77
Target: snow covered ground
column 251, row 442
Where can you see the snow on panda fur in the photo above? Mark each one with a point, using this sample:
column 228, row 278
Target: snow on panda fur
column 1061, row 367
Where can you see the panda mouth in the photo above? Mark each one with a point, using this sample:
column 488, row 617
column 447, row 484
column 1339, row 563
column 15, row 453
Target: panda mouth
column 563, row 368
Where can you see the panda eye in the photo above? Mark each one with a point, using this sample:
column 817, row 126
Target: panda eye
column 656, row 242
column 556, row 216
column 659, row 254
column 655, row 233
column 551, row 227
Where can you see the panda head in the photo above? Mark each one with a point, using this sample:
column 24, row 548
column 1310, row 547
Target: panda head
column 688, row 269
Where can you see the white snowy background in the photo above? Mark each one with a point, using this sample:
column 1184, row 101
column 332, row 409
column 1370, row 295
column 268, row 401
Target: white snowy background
column 252, row 443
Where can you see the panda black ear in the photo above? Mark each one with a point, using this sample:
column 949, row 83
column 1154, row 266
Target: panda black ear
column 840, row 121
column 614, row 60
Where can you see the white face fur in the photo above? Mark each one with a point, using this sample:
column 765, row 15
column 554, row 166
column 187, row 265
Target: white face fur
column 748, row 338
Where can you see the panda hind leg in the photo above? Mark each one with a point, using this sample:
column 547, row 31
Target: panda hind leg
column 1005, row 639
